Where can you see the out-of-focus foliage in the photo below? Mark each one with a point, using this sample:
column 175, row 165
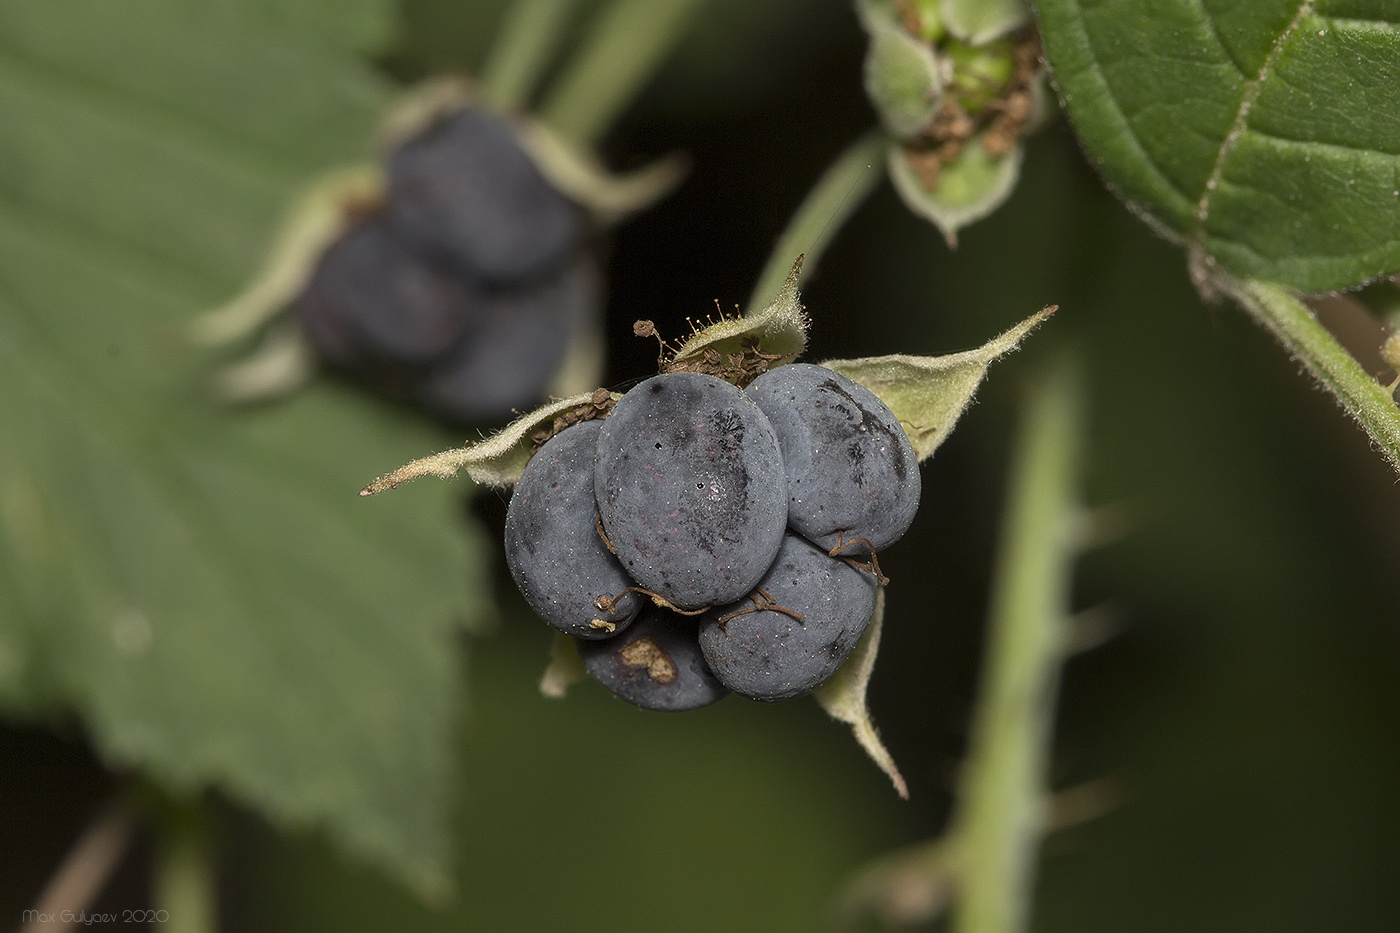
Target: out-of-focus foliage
column 200, row 585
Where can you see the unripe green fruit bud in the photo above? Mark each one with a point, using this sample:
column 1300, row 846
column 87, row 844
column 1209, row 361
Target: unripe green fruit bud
column 978, row 22
column 965, row 190
column 930, row 19
column 901, row 78
column 981, row 73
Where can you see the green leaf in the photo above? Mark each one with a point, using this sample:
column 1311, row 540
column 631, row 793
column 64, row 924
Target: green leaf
column 928, row 393
column 1262, row 135
column 201, row 585
column 968, row 189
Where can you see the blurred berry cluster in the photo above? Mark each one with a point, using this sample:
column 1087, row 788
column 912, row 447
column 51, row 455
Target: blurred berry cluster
column 463, row 290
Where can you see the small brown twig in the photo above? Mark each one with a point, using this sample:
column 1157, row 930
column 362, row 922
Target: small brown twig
column 608, row 604
column 761, row 601
column 607, row 542
column 873, row 566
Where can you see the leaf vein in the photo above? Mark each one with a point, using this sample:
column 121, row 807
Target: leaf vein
column 1363, row 25
column 1241, row 122
column 1320, row 144
column 1220, row 40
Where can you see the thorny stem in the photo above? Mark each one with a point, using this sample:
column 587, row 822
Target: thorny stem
column 1289, row 320
column 1000, row 819
column 836, row 195
column 527, row 39
column 626, row 43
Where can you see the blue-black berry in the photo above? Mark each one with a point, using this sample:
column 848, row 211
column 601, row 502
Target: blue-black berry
column 852, row 474
column 691, row 489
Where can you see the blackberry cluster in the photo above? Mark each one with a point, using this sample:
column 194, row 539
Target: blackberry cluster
column 705, row 539
column 464, row 289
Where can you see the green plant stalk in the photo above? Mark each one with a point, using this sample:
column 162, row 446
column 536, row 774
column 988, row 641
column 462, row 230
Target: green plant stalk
column 1298, row 329
column 841, row 189
column 999, row 821
column 527, row 39
column 627, row 42
column 184, row 884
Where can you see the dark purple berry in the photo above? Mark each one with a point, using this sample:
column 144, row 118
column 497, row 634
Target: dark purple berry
column 771, row 654
column 655, row 664
column 553, row 549
column 464, row 191
column 851, row 471
column 691, row 489
column 373, row 304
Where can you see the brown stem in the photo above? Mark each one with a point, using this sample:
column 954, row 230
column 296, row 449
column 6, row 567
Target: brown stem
column 872, row 567
column 83, row 873
column 607, row 542
column 609, row 603
column 761, row 601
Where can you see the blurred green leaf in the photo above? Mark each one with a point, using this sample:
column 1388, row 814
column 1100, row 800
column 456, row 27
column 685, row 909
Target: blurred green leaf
column 202, row 585
column 1263, row 135
column 980, row 21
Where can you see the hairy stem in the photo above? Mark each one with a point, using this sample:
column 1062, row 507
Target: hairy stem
column 841, row 189
column 627, row 42
column 527, row 39
column 184, row 882
column 1000, row 817
column 1288, row 319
